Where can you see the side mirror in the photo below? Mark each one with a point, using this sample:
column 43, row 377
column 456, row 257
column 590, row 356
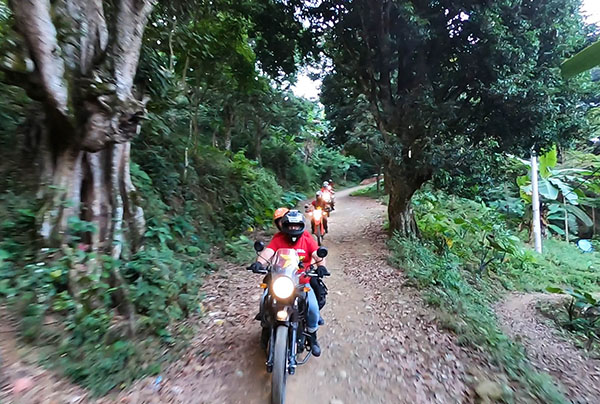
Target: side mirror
column 306, row 206
column 322, row 252
column 259, row 246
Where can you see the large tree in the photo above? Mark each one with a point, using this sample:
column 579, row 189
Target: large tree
column 78, row 60
column 445, row 77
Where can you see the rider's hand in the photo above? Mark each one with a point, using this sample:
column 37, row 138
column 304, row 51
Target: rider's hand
column 322, row 271
column 257, row 268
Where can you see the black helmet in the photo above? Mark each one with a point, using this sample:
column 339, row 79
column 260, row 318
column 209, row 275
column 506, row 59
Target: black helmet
column 293, row 224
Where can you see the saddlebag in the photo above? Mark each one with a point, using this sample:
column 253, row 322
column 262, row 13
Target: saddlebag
column 320, row 289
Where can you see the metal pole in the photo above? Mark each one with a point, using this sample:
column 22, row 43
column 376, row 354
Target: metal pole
column 535, row 202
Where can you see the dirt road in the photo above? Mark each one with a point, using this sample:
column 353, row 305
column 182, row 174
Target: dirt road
column 380, row 342
column 547, row 349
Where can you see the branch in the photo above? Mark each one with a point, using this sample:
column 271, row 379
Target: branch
column 94, row 34
column 34, row 22
column 132, row 16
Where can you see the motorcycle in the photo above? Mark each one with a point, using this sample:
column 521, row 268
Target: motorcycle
column 318, row 216
column 283, row 312
column 329, row 199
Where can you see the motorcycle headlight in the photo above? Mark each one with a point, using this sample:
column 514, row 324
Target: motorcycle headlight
column 327, row 197
column 317, row 214
column 283, row 287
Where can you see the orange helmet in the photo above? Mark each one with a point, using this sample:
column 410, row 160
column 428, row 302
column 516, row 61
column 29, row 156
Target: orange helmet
column 279, row 213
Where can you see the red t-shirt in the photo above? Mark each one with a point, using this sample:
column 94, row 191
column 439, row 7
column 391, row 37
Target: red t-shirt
column 305, row 246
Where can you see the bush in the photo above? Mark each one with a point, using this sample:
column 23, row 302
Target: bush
column 472, row 231
column 287, row 163
column 331, row 163
column 466, row 257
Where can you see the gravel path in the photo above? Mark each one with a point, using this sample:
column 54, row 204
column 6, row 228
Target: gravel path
column 547, row 350
column 380, row 344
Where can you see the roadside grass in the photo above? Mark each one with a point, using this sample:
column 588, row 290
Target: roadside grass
column 446, row 265
column 563, row 265
column 467, row 301
column 371, row 191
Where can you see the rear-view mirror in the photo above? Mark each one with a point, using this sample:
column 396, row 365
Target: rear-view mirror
column 259, row 246
column 322, row 252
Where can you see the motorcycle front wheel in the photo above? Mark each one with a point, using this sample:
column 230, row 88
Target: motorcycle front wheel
column 319, row 235
column 279, row 365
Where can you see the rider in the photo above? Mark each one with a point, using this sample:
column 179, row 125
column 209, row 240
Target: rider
column 329, row 189
column 278, row 215
column 320, row 203
column 292, row 234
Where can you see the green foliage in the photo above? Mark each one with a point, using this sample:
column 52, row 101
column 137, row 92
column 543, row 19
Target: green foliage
column 240, row 251
column 581, row 62
column 370, row 191
column 563, row 190
column 164, row 285
column 472, row 231
column 465, row 299
column 583, row 311
column 91, row 343
column 330, row 163
column 458, row 235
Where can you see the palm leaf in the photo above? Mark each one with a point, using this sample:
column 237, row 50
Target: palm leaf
column 547, row 190
column 581, row 62
column 548, row 161
column 555, row 229
column 580, row 214
column 566, row 190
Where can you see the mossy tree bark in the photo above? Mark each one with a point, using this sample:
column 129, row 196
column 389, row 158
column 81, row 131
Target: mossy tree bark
column 78, row 60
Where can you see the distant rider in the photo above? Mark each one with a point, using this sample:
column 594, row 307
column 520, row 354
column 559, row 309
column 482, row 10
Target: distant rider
column 292, row 234
column 320, row 203
column 327, row 188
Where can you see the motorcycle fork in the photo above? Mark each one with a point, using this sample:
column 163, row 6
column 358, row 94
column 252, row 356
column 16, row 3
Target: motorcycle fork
column 292, row 351
column 271, row 353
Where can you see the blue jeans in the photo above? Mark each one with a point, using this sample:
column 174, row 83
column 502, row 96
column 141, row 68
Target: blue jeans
column 312, row 316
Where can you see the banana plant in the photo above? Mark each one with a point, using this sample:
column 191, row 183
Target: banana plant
column 561, row 199
column 581, row 62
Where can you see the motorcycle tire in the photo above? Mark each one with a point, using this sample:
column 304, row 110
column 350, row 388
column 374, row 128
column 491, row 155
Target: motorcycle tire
column 279, row 365
column 319, row 235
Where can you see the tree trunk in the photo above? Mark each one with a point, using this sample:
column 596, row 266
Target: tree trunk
column 96, row 188
column 258, row 142
column 228, row 126
column 89, row 113
column 401, row 182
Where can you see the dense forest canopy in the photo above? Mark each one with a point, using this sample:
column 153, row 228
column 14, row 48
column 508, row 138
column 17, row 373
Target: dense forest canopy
column 443, row 80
